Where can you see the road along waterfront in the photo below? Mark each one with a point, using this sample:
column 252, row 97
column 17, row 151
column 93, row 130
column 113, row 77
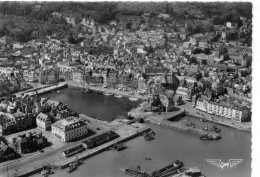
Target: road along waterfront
column 168, row 144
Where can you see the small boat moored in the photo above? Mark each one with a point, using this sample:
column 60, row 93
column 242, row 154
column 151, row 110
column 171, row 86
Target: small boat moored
column 73, row 165
column 133, row 99
column 118, row 96
column 148, row 158
column 215, row 129
column 107, row 94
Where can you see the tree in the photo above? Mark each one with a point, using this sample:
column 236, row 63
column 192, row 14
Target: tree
column 71, row 39
column 129, row 25
column 189, row 27
column 153, row 14
column 193, row 60
column 207, row 51
column 197, row 51
column 217, row 20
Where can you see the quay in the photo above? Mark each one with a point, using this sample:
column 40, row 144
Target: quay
column 159, row 120
column 190, row 110
column 110, row 90
column 125, row 131
column 102, row 148
column 166, row 120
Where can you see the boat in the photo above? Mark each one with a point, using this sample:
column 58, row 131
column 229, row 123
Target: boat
column 215, row 129
column 205, row 128
column 190, row 124
column 99, row 92
column 193, row 172
column 44, row 173
column 46, row 170
column 216, row 137
column 206, row 138
column 71, row 168
column 119, row 146
column 73, row 165
column 107, row 94
column 133, row 99
column 148, row 158
column 88, row 91
column 118, row 96
column 138, row 172
column 149, row 136
column 168, row 169
column 58, row 91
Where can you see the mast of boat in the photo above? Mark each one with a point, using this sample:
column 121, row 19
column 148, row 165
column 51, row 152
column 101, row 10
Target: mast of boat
column 207, row 127
column 7, row 171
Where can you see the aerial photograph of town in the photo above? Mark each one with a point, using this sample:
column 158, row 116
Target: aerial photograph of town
column 118, row 89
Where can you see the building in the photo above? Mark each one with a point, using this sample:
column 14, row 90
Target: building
column 6, row 153
column 69, row 129
column 5, row 40
column 43, row 121
column 48, row 76
column 224, row 109
column 184, row 92
column 163, row 15
column 16, row 122
column 99, row 139
column 30, row 142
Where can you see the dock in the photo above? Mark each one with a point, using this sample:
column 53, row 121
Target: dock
column 92, row 152
column 125, row 131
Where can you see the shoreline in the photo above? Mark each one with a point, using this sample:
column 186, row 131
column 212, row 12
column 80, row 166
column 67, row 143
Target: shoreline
column 109, row 90
column 124, row 136
column 138, row 112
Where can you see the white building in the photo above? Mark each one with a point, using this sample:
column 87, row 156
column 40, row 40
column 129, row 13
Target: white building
column 184, row 92
column 43, row 121
column 238, row 114
column 69, row 129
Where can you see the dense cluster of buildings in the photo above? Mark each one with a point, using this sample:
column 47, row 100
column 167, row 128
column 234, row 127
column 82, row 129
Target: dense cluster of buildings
column 210, row 69
column 29, row 143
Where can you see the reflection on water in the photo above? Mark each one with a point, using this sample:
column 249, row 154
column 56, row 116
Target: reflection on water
column 168, row 145
column 104, row 107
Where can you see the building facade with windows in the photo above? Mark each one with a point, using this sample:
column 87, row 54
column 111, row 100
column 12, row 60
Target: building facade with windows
column 69, row 129
column 43, row 121
column 230, row 111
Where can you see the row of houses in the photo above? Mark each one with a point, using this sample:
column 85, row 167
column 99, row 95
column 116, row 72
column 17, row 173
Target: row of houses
column 224, row 109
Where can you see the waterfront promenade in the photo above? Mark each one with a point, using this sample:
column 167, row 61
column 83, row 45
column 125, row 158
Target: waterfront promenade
column 139, row 112
column 246, row 126
column 110, row 90
column 31, row 164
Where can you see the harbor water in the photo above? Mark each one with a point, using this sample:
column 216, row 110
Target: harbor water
column 167, row 146
column 93, row 104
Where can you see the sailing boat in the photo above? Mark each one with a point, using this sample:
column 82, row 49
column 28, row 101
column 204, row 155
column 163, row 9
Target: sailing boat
column 86, row 89
column 206, row 128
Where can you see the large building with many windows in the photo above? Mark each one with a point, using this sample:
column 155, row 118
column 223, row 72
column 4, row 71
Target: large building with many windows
column 69, row 129
column 224, row 109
